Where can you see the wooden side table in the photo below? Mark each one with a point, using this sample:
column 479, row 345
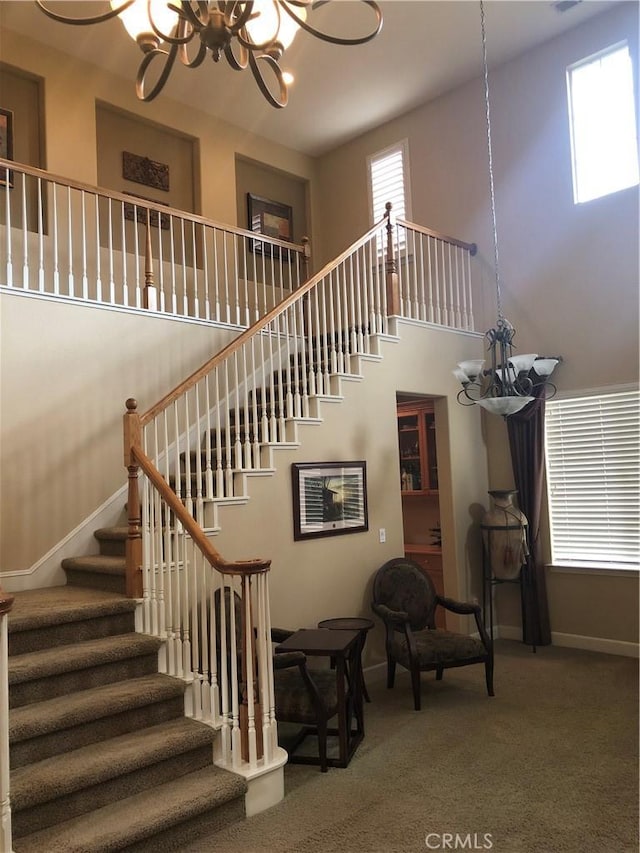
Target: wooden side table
column 352, row 623
column 343, row 647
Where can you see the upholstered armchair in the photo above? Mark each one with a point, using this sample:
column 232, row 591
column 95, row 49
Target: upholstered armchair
column 307, row 698
column 405, row 598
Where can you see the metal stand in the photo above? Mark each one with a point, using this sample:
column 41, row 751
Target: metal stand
column 490, row 581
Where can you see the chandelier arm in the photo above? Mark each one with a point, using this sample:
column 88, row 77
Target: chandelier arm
column 96, row 19
column 469, row 401
column 284, row 4
column 260, row 47
column 238, row 64
column 232, row 19
column 199, row 58
column 164, row 75
column 185, row 27
column 259, row 78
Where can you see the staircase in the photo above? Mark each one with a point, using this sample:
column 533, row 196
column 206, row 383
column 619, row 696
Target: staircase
column 102, row 756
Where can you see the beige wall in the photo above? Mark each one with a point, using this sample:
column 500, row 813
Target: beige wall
column 72, row 90
column 66, row 373
column 570, row 273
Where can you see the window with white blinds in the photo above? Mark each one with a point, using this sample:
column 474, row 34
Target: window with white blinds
column 388, row 181
column 593, row 480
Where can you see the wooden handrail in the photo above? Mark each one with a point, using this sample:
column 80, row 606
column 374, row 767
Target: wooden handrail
column 472, row 248
column 137, row 457
column 237, row 342
column 144, row 203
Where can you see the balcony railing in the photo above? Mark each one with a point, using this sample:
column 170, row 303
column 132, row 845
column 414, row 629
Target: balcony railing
column 69, row 240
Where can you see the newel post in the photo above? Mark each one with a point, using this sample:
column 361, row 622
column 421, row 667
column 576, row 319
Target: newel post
column 6, row 602
column 150, row 293
column 391, row 269
column 306, row 257
column 132, row 439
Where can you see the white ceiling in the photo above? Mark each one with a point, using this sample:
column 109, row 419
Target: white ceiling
column 424, row 49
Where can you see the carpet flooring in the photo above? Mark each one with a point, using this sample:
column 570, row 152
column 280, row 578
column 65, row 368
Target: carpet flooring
column 549, row 765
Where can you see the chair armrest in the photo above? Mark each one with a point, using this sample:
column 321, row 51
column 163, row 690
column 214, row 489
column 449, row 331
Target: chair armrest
column 284, row 660
column 279, row 635
column 394, row 617
column 464, row 608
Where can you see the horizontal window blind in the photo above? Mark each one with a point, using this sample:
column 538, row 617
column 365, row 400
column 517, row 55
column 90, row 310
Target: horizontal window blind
column 593, row 479
column 388, row 181
column 387, row 171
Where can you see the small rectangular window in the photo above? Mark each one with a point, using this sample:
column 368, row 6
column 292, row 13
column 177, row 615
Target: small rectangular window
column 603, row 124
column 388, row 181
column 593, row 479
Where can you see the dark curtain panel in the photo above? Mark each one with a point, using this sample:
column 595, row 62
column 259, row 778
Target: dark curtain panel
column 526, row 442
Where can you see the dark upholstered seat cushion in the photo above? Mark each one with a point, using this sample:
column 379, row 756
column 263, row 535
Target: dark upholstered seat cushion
column 293, row 702
column 437, row 647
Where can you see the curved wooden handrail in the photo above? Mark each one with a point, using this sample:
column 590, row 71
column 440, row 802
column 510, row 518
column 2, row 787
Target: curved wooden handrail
column 215, row 559
column 237, row 342
column 472, row 248
column 158, row 207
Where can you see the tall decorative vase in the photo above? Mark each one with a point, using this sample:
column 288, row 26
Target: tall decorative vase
column 504, row 533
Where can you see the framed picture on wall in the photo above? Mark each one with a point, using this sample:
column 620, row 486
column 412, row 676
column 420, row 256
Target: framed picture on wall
column 273, row 219
column 329, row 498
column 6, row 145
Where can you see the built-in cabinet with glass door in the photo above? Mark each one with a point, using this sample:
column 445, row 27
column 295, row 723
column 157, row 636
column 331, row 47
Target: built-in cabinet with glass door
column 419, row 490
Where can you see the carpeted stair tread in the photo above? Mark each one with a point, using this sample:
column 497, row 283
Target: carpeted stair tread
column 97, row 763
column 38, row 608
column 64, row 712
column 103, row 564
column 121, row 532
column 48, row 662
column 126, row 822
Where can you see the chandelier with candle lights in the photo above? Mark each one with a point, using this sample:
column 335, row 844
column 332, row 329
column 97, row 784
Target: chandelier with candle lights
column 248, row 33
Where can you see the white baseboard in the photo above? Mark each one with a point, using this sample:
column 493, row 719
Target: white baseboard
column 576, row 641
column 47, row 571
column 596, row 644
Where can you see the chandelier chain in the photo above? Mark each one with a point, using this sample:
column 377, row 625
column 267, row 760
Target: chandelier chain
column 492, row 194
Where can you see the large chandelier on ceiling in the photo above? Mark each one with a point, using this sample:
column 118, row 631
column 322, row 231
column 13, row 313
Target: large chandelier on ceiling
column 253, row 33
column 510, row 381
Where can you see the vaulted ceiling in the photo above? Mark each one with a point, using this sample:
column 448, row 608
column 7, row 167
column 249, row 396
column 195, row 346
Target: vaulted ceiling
column 424, row 49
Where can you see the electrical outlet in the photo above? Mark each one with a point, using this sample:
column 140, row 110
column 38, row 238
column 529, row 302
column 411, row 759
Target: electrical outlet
column 383, row 535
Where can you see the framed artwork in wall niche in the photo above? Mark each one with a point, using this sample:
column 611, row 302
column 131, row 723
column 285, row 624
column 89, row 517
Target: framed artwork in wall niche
column 273, row 219
column 329, row 498
column 6, row 145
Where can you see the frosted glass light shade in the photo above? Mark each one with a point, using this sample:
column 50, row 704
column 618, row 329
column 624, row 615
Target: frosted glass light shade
column 523, row 362
column 136, row 17
column 267, row 26
column 506, row 374
column 472, row 368
column 461, row 376
column 504, row 405
column 545, row 366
